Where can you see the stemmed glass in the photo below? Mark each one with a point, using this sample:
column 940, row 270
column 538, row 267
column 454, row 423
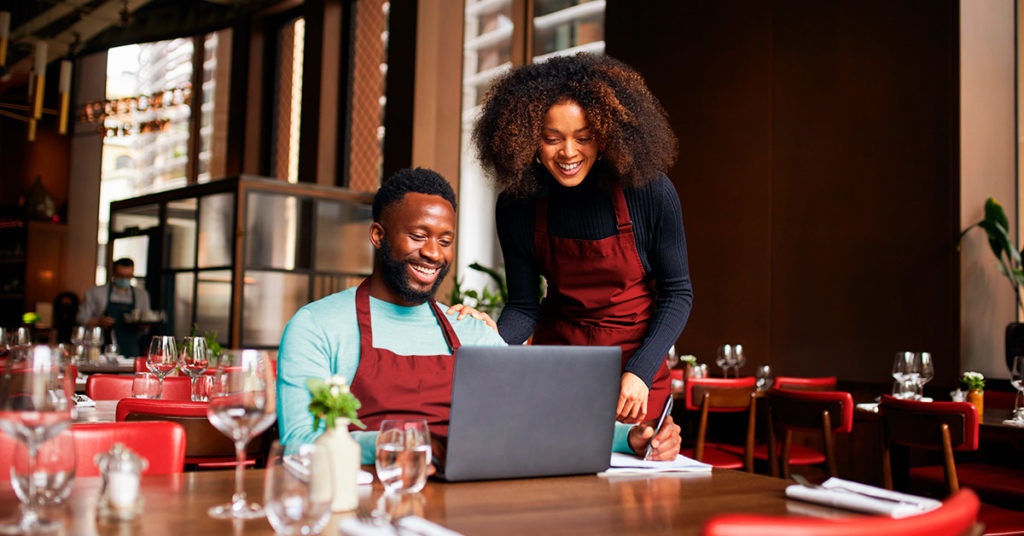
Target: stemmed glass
column 241, row 407
column 193, row 360
column 1017, row 380
column 924, row 371
column 672, row 359
column 738, row 359
column 724, row 358
column 765, row 378
column 162, row 357
column 35, row 407
column 297, row 488
column 902, row 367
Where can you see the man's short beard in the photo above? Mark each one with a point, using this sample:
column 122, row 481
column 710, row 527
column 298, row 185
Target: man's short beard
column 396, row 277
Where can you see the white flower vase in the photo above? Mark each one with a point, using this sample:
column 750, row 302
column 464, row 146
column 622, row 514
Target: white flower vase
column 345, row 456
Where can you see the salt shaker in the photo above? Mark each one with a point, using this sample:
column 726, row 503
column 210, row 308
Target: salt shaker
column 121, row 469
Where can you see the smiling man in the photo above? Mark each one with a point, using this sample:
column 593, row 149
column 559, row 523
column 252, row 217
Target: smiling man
column 387, row 337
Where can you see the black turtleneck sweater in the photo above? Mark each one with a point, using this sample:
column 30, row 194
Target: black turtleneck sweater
column 586, row 212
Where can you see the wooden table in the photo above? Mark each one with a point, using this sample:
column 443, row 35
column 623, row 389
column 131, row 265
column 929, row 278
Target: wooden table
column 104, row 411
column 649, row 505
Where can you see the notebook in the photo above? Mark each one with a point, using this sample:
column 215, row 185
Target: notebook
column 529, row 411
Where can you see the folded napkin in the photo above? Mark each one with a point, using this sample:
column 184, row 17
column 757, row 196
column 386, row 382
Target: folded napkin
column 1011, row 422
column 869, row 406
column 628, row 463
column 406, row 526
column 863, row 498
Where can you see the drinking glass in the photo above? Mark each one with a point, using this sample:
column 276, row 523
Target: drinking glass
column 738, row 359
column 902, row 365
column 1017, row 380
column 22, row 337
column 764, row 376
column 162, row 357
column 35, row 407
column 194, row 359
column 77, row 335
column 723, row 358
column 925, row 370
column 146, row 385
column 672, row 359
column 297, row 489
column 403, row 455
column 241, row 406
column 52, row 473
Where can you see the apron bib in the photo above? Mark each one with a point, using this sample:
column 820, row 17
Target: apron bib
column 127, row 336
column 392, row 386
column 598, row 293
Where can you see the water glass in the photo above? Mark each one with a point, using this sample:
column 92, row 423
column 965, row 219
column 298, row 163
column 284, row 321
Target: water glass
column 902, row 366
column 297, row 489
column 194, row 359
column 764, row 376
column 146, row 385
column 403, row 454
column 201, row 387
column 672, row 359
column 52, row 474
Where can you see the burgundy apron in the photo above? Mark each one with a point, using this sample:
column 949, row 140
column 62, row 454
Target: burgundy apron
column 598, row 294
column 392, row 386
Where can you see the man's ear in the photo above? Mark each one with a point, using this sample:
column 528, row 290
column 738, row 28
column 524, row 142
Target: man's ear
column 376, row 234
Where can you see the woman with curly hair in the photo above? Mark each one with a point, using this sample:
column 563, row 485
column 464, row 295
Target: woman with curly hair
column 579, row 147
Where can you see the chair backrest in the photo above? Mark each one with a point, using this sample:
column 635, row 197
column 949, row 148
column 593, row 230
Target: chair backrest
column 796, row 383
column 942, row 426
column 161, row 443
column 118, row 386
column 726, row 394
column 956, row 516
column 140, row 365
column 203, row 439
column 827, row 412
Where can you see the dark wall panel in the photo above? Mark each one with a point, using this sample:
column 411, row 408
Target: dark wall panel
column 817, row 172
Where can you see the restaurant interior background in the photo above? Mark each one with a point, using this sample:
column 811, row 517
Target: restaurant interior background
column 829, row 154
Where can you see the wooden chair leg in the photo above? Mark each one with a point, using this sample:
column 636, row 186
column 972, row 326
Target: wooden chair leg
column 830, row 454
column 950, row 463
column 698, row 449
column 787, row 448
column 773, row 447
column 748, row 447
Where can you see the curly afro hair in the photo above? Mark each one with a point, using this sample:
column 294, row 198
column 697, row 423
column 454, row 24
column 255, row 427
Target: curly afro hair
column 403, row 181
column 628, row 122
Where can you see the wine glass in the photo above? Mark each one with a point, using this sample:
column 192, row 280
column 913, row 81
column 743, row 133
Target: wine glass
column 723, row 358
column 1017, row 380
column 241, row 407
column 403, row 455
column 902, row 365
column 672, row 359
column 765, row 378
column 162, row 357
column 738, row 359
column 297, row 488
column 35, row 407
column 925, row 370
column 52, row 473
column 193, row 360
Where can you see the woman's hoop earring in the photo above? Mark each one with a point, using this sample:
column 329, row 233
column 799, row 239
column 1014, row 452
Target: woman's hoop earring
column 536, row 158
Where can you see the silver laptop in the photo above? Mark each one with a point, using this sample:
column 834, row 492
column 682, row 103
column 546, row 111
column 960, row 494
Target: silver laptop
column 528, row 411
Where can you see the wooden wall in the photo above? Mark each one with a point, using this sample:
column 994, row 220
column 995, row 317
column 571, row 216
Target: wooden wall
column 818, row 174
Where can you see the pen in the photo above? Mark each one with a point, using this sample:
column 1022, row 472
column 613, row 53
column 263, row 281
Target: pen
column 661, row 421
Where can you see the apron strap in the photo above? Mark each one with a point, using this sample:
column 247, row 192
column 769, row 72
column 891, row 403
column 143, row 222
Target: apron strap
column 366, row 332
column 621, row 211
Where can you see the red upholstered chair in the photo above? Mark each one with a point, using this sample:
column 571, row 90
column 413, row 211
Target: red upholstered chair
column 949, row 427
column 118, row 386
column 826, row 412
column 714, row 395
column 795, row 383
column 140, row 365
column 161, row 443
column 206, row 446
column 956, row 516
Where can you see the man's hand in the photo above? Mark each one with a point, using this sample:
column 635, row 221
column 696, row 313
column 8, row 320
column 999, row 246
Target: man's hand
column 465, row 310
column 632, row 406
column 103, row 322
column 664, row 446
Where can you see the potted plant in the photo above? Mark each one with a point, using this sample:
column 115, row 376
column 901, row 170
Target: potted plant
column 997, row 229
column 334, row 404
column 975, row 382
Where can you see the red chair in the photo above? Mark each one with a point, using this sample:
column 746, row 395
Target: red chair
column 718, row 395
column 118, row 386
column 795, row 383
column 827, row 412
column 206, row 446
column 949, row 427
column 161, row 443
column 956, row 516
